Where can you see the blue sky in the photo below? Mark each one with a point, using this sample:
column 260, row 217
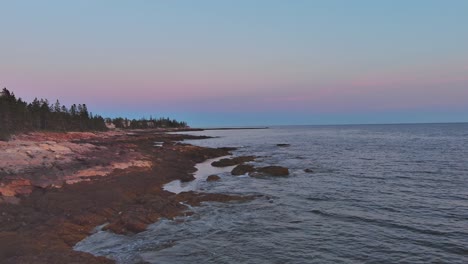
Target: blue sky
column 243, row 62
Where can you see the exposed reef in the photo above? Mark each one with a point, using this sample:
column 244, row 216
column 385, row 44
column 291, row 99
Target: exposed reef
column 232, row 161
column 273, row 171
column 242, row 169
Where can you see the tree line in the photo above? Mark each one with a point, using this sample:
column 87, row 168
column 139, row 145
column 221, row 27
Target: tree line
column 143, row 123
column 17, row 116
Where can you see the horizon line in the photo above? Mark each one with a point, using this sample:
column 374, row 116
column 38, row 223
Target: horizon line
column 344, row 124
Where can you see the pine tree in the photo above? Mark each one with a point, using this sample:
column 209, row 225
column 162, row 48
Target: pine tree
column 57, row 107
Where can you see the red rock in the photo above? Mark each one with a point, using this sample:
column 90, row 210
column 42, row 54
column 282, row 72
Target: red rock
column 16, row 187
column 45, row 225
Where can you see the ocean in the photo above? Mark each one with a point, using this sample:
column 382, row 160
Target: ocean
column 375, row 194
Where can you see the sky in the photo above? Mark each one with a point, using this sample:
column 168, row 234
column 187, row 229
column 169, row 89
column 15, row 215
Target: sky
column 242, row 62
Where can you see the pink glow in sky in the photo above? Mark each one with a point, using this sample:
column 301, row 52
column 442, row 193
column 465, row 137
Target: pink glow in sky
column 266, row 57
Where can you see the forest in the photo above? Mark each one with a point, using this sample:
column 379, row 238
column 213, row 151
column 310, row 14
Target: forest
column 18, row 116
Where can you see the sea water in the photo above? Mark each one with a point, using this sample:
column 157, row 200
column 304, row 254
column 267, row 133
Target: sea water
column 375, row 194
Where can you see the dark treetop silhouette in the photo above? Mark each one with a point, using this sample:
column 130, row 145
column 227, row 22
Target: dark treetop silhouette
column 17, row 116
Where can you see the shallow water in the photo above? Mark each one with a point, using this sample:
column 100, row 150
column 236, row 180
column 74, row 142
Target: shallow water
column 377, row 194
column 204, row 169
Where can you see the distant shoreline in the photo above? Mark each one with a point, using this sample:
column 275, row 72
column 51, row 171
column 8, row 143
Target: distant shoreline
column 320, row 125
column 234, row 128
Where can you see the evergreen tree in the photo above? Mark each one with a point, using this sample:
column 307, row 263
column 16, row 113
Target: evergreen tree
column 17, row 116
column 57, row 107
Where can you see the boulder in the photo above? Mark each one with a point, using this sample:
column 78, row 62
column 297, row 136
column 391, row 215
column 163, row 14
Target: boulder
column 187, row 178
column 213, row 178
column 308, row 171
column 232, row 161
column 273, row 171
column 242, row 169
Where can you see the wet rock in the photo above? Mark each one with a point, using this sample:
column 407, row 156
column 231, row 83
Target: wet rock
column 227, row 148
column 213, row 178
column 195, row 199
column 272, row 171
column 187, row 178
column 242, row 169
column 308, row 171
column 283, row 145
column 232, row 161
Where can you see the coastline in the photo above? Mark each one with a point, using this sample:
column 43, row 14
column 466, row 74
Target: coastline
column 90, row 179
column 204, row 170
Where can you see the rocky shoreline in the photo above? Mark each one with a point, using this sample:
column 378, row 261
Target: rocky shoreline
column 57, row 187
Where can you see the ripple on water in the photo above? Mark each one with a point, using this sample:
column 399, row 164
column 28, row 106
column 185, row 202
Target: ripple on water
column 377, row 194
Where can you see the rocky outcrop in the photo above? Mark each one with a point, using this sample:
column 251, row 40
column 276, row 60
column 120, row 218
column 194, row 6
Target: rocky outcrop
column 101, row 171
column 232, row 161
column 242, row 169
column 270, row 171
column 212, row 178
column 47, row 223
column 41, row 160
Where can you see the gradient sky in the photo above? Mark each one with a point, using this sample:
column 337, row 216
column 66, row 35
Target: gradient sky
column 243, row 62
